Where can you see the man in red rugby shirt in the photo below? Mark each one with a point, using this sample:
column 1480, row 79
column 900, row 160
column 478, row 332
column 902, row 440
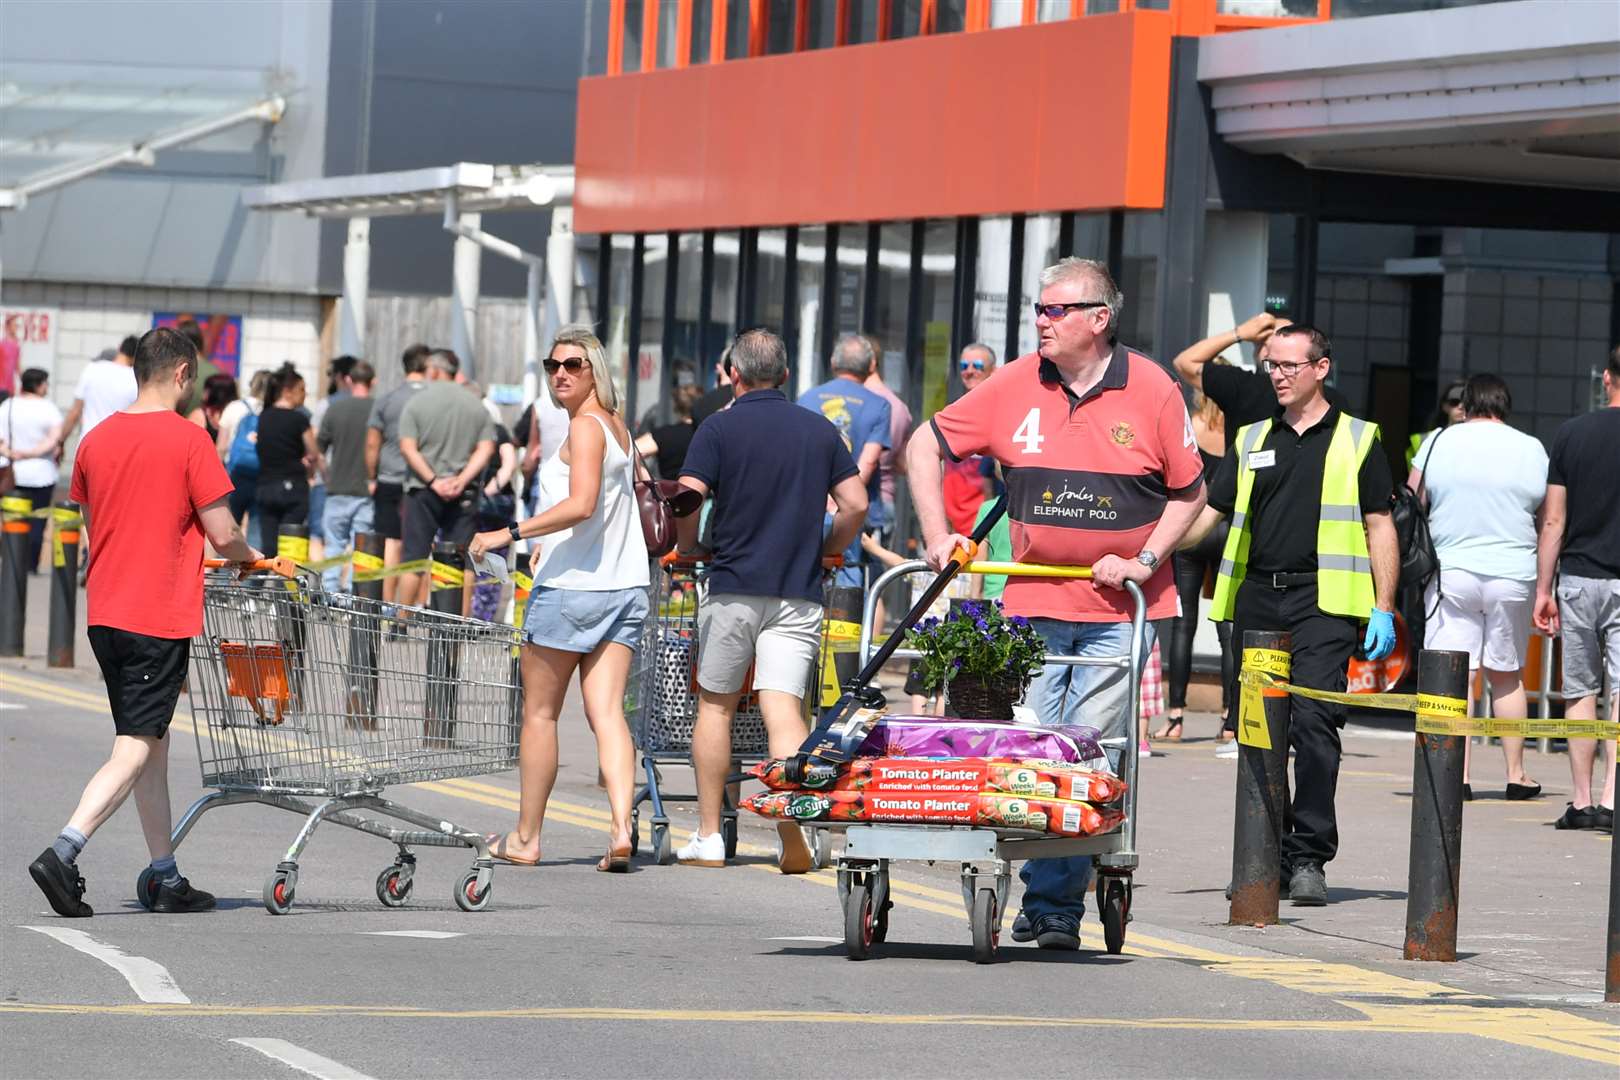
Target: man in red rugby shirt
column 1102, row 470
column 152, row 488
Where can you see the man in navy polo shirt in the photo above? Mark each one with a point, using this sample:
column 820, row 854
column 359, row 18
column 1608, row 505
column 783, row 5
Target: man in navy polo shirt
column 770, row 467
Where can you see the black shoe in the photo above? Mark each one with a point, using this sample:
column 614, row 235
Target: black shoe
column 1021, row 929
column 61, row 884
column 1604, row 819
column 1468, row 792
column 182, row 898
column 1580, row 817
column 1308, row 886
column 1520, row 792
column 1056, row 932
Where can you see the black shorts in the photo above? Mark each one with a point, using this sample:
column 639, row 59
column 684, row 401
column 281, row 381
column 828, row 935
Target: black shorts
column 144, row 677
column 387, row 517
column 429, row 518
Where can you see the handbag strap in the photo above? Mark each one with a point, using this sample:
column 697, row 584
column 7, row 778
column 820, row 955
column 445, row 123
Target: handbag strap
column 1423, row 477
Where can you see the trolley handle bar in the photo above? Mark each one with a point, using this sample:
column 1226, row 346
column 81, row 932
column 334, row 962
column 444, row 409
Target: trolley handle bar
column 279, row 565
column 678, row 561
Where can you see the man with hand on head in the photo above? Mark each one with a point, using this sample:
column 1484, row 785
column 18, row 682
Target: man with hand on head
column 1243, row 396
column 153, row 487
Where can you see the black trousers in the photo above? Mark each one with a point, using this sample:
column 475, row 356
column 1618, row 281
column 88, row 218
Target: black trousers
column 1178, row 644
column 1322, row 645
column 40, row 499
column 281, row 502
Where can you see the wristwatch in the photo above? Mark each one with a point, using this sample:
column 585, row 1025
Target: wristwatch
column 513, row 530
column 1147, row 558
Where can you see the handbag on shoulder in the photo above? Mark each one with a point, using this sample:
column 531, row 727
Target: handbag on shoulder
column 660, row 502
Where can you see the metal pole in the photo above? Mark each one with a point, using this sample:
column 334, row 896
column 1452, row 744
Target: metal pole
column 356, row 287
column 560, row 248
column 464, row 285
column 1262, row 795
column 14, row 568
column 1611, row 977
column 64, row 586
column 1435, row 856
column 365, row 629
column 531, row 336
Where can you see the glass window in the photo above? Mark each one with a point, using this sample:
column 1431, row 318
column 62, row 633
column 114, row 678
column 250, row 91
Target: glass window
column 770, row 277
column 630, row 57
column 702, row 29
column 1041, row 233
column 905, row 19
column 736, row 28
column 887, row 322
column 684, row 329
column 863, row 21
column 938, row 282
column 617, row 342
column 1052, row 10
column 950, row 16
column 990, row 283
column 668, row 13
column 823, row 29
column 723, row 290
column 650, row 374
column 1006, row 13
column 849, row 291
column 1090, row 237
column 1140, row 279
column 812, row 256
column 779, row 28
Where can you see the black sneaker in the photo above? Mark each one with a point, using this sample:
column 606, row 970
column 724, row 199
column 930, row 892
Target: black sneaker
column 61, row 884
column 1056, row 932
column 1580, row 817
column 1021, row 930
column 1603, row 819
column 182, row 898
column 1308, row 885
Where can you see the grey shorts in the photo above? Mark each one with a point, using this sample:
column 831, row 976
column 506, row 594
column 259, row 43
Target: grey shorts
column 1589, row 624
column 781, row 638
column 578, row 620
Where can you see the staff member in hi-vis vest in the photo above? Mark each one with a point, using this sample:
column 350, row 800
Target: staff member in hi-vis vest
column 1312, row 551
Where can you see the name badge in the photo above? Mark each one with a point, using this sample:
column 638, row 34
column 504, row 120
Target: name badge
column 1262, row 459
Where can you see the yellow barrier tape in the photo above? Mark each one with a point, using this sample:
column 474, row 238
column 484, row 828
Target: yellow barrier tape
column 58, row 556
column 522, row 581
column 16, row 506
column 415, row 566
column 1530, row 729
column 446, row 576
column 323, row 564
column 365, row 562
column 65, row 517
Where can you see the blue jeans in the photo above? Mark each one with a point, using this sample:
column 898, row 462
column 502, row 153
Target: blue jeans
column 1095, row 696
column 345, row 516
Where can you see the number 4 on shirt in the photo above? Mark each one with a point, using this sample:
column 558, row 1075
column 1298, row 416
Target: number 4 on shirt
column 1029, row 432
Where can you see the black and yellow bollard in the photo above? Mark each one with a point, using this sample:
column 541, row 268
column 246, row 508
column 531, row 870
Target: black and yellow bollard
column 1262, row 782
column 447, row 575
column 1435, row 856
column 14, row 514
column 365, row 566
column 365, row 629
column 64, row 586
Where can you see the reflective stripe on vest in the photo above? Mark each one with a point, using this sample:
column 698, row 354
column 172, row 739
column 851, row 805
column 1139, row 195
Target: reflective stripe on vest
column 1343, row 566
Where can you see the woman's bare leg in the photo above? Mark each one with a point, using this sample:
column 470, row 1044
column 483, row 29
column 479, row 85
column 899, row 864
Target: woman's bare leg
column 602, row 678
column 545, row 680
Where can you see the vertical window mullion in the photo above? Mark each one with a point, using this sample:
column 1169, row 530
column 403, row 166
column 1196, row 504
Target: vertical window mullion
column 709, row 349
column 1015, row 287
column 790, row 292
column 829, row 301
column 672, row 273
column 632, row 377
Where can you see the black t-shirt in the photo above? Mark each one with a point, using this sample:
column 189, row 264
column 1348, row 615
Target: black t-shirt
column 1246, row 396
column 711, row 403
column 672, row 440
column 1286, row 503
column 281, row 444
column 1585, row 460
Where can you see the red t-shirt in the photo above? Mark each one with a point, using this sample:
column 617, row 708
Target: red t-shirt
column 1085, row 478
column 142, row 477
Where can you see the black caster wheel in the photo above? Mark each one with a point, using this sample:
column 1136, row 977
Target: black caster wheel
column 860, row 922
column 663, row 854
column 635, row 833
column 146, row 888
column 468, row 898
column 279, row 889
column 394, row 886
column 1114, row 901
column 728, row 831
column 986, row 926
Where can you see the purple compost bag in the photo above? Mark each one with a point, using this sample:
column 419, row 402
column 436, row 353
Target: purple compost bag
column 936, row 737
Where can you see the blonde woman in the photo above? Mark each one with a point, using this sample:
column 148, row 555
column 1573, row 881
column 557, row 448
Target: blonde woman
column 589, row 599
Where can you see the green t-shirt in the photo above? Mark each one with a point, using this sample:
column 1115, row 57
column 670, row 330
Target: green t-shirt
column 448, row 422
column 997, row 548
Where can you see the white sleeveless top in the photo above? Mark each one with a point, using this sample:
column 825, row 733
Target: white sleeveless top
column 606, row 551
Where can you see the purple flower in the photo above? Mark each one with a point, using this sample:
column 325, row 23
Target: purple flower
column 1018, row 621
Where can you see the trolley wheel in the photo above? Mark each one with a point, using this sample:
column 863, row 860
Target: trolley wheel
column 986, row 926
column 279, row 889
column 728, row 831
column 146, row 888
column 468, row 898
column 635, row 832
column 1114, row 902
column 821, row 853
column 393, row 886
column 860, row 922
column 663, row 854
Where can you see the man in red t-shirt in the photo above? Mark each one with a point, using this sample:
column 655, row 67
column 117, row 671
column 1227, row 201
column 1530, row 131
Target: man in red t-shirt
column 1102, row 470
column 152, row 487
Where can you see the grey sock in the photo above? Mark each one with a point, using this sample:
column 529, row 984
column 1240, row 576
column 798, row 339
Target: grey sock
column 165, row 871
column 68, row 844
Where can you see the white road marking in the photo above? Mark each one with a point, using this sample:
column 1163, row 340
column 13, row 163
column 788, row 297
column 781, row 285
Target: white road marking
column 303, row 1060
column 149, row 979
column 434, row 934
column 8, row 705
column 817, row 940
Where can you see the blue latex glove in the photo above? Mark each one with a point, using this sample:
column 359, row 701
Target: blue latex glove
column 1380, row 634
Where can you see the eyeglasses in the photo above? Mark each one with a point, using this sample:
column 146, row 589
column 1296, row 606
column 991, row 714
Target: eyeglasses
column 1452, row 402
column 1054, row 312
column 573, row 365
column 1289, row 368
column 971, row 365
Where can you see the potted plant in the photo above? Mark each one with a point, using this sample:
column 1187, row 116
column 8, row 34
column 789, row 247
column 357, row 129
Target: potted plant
column 983, row 658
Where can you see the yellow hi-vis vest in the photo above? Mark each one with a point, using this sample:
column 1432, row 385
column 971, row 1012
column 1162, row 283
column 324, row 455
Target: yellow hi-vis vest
column 1344, row 583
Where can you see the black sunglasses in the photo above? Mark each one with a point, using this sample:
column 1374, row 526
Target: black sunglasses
column 1054, row 312
column 573, row 365
column 1452, row 402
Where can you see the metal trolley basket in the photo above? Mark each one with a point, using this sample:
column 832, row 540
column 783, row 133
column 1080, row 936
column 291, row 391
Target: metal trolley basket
column 661, row 707
column 314, row 702
column 986, row 854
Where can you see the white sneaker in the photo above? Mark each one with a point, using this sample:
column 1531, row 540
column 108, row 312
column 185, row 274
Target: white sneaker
column 1227, row 750
column 703, row 851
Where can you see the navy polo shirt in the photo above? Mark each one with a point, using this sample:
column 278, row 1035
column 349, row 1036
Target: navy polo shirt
column 769, row 466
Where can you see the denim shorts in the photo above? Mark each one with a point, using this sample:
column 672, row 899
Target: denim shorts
column 579, row 620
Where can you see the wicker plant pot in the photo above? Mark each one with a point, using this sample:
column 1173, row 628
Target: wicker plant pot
column 983, row 699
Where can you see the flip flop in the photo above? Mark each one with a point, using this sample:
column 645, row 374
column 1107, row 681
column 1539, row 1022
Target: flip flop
column 497, row 851
column 616, row 861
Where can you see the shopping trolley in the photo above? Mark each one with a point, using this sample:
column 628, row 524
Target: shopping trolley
column 314, row 702
column 986, row 854
column 661, row 706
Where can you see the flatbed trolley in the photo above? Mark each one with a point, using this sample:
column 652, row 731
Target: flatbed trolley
column 986, row 855
column 314, row 702
column 661, row 706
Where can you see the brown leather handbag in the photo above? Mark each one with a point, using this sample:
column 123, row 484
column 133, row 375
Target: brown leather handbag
column 660, row 503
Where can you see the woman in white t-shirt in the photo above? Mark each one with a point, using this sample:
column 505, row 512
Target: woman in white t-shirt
column 31, row 431
column 1484, row 483
column 589, row 600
